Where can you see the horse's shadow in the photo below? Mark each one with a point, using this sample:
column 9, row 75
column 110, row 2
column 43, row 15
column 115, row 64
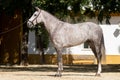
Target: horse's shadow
column 52, row 75
column 69, row 70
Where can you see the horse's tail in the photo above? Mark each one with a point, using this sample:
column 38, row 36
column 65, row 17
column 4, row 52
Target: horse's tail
column 103, row 50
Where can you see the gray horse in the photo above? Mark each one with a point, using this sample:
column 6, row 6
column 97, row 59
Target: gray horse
column 63, row 35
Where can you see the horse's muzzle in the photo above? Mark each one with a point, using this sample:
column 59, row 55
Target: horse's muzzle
column 30, row 24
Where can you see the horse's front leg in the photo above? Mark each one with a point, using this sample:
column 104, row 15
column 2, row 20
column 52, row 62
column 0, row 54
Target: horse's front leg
column 60, row 64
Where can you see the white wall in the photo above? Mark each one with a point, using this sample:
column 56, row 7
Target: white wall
column 112, row 43
column 31, row 42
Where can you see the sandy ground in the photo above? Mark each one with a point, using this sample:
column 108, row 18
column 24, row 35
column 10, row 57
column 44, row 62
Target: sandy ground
column 47, row 72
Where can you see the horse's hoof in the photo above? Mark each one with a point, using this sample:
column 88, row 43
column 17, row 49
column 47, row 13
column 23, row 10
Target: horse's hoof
column 58, row 75
column 98, row 75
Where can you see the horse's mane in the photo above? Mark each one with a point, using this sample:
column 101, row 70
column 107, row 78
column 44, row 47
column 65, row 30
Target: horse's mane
column 50, row 16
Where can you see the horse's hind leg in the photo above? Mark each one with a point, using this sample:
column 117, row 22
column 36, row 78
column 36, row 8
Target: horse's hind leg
column 98, row 56
column 96, row 50
column 60, row 64
column 92, row 46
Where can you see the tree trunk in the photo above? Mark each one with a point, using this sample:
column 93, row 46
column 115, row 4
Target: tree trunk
column 25, row 31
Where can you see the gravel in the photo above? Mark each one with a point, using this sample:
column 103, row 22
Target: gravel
column 46, row 72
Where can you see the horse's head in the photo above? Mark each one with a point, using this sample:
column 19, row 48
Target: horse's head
column 35, row 18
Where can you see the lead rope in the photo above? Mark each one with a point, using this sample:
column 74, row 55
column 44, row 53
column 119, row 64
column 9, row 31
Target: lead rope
column 4, row 32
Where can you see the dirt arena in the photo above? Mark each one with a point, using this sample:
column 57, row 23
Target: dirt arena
column 46, row 72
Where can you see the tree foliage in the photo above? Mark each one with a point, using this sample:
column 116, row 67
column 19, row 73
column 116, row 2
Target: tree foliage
column 42, row 34
column 11, row 5
column 105, row 8
column 60, row 7
column 92, row 8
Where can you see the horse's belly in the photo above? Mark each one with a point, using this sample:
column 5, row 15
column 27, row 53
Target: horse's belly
column 73, row 41
column 68, row 40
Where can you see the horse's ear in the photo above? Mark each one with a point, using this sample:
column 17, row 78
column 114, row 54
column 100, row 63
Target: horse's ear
column 37, row 8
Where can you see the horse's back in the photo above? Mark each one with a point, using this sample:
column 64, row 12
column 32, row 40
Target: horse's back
column 92, row 30
column 93, row 27
column 95, row 31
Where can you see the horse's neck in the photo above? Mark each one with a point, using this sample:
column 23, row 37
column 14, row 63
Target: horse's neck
column 50, row 22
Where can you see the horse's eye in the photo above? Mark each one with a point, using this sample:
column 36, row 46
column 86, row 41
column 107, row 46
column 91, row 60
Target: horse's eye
column 35, row 14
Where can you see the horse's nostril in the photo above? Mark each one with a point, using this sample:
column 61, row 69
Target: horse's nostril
column 29, row 24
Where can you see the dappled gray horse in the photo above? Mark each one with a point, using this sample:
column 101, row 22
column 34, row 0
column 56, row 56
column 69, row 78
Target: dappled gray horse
column 64, row 35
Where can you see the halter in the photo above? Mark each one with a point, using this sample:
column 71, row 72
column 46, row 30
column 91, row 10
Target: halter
column 35, row 18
